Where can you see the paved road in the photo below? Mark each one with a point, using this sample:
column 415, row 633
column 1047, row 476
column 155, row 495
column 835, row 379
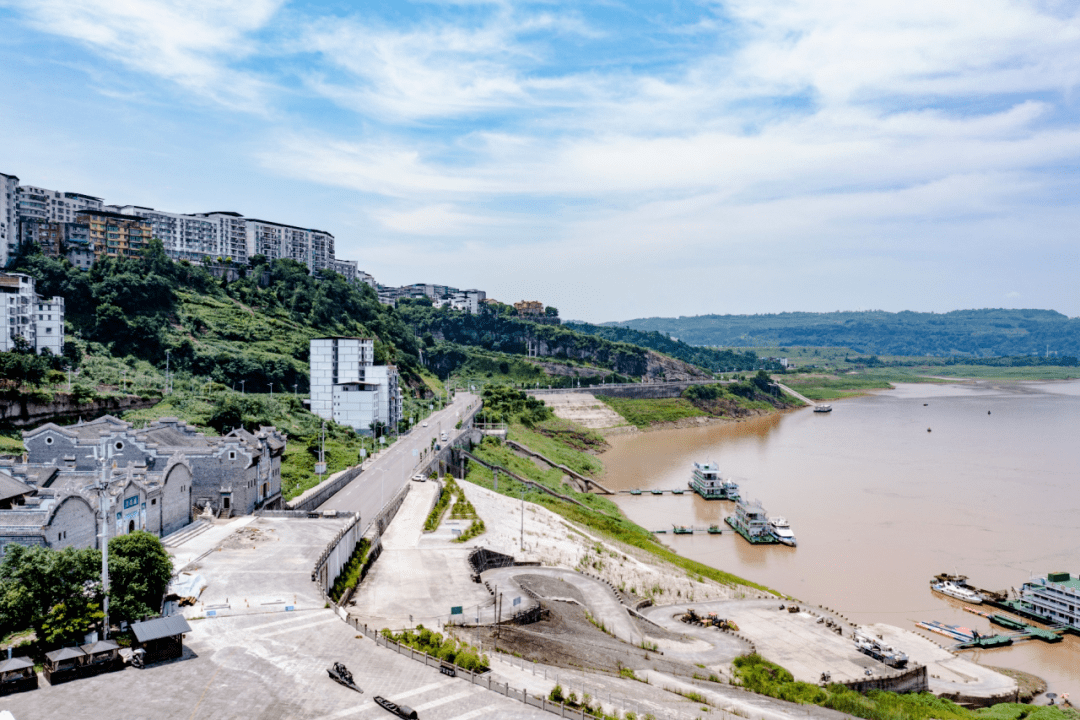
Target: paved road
column 392, row 469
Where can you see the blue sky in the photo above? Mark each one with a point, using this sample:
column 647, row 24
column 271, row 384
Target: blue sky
column 615, row 159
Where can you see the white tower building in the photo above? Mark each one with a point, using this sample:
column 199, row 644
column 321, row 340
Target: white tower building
column 349, row 388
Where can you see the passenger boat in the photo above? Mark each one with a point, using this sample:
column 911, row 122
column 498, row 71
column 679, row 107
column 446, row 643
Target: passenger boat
column 959, row 592
column 780, row 527
column 823, row 408
column 705, row 480
column 751, row 522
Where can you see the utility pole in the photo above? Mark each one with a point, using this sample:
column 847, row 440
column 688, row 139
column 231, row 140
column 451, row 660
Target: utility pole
column 102, row 487
column 168, row 388
column 242, row 387
column 271, row 390
column 294, row 389
column 522, row 517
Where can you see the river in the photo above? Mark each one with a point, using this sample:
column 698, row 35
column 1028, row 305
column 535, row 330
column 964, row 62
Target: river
column 879, row 504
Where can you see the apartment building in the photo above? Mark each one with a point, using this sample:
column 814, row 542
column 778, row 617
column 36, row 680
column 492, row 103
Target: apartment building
column 40, row 321
column 115, row 235
column 9, row 217
column 276, row 241
column 348, row 268
column 349, row 388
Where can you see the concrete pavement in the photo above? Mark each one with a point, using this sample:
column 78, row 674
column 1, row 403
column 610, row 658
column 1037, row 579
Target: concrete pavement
column 388, row 472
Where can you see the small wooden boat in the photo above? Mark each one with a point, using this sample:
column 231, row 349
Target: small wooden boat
column 401, row 711
column 341, row 675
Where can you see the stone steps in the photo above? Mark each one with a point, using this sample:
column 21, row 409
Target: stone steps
column 184, row 534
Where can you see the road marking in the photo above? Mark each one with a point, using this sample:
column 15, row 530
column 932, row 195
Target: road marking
column 261, row 626
column 472, row 713
column 332, row 618
column 369, row 705
column 443, row 701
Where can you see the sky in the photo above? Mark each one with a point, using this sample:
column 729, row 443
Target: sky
column 613, row 159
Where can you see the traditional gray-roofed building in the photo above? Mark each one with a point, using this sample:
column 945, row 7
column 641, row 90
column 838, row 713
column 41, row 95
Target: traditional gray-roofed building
column 161, row 638
column 156, row 474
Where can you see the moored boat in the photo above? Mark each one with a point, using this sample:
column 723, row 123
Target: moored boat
column 823, row 408
column 959, row 592
column 683, row 530
column 780, row 528
column 751, row 522
column 705, row 480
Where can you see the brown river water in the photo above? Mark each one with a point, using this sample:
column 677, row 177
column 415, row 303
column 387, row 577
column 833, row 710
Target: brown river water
column 879, row 505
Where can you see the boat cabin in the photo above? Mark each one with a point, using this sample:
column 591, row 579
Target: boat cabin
column 16, row 675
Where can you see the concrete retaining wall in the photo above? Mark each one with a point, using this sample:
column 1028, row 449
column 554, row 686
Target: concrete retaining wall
column 316, row 496
column 639, row 391
column 910, row 680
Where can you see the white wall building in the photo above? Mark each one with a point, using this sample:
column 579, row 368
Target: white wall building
column 23, row 312
column 9, row 217
column 276, row 241
column 348, row 388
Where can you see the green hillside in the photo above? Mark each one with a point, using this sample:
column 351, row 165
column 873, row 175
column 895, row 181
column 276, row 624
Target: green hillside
column 979, row 333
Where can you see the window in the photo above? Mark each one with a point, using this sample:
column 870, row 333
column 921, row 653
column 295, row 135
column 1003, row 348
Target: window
column 48, row 441
column 154, row 501
column 119, row 445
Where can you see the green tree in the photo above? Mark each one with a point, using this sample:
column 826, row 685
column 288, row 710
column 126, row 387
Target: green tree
column 57, row 593
column 139, row 573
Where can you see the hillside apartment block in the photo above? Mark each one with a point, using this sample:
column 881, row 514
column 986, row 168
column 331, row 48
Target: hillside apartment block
column 349, row 388
column 83, row 228
column 40, row 321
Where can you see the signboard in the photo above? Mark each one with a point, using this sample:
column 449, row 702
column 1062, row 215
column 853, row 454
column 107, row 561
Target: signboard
column 320, row 468
column 363, row 452
column 455, row 610
column 415, row 452
column 517, row 601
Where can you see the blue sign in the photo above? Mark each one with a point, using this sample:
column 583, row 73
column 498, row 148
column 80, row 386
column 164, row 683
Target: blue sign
column 517, row 601
column 455, row 610
column 131, row 501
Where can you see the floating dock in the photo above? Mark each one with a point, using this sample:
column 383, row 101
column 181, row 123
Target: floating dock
column 966, row 637
column 1024, row 630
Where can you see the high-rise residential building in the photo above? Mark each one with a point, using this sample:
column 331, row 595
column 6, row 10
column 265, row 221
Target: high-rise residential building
column 349, row 388
column 36, row 203
column 40, row 321
column 198, row 238
column 114, row 234
column 348, row 268
column 275, row 241
column 9, row 217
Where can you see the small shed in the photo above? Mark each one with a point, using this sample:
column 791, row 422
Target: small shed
column 63, row 665
column 161, row 638
column 101, row 656
column 16, row 675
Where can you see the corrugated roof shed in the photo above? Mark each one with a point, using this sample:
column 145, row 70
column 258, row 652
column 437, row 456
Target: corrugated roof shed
column 158, row 628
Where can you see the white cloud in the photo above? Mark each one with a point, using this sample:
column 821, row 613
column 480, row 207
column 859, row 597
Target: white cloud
column 188, row 42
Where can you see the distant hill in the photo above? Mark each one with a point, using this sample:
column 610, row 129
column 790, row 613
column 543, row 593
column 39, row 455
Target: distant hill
column 980, row 333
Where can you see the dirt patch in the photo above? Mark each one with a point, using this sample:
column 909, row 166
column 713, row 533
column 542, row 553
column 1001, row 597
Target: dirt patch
column 566, row 638
column 1028, row 685
column 549, row 587
column 249, row 537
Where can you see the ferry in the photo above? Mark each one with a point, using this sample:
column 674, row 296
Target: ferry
column 823, row 408
column 879, row 651
column 780, row 527
column 959, row 592
column 706, row 482
column 751, row 522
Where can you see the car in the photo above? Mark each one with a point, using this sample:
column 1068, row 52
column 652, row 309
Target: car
column 424, row 423
column 443, row 437
column 419, row 478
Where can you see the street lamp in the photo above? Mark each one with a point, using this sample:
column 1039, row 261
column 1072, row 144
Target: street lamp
column 242, row 387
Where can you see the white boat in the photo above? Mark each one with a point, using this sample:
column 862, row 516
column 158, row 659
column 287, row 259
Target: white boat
column 957, row 591
column 780, row 527
column 822, row 408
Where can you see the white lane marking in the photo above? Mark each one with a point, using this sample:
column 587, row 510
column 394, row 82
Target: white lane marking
column 443, row 701
column 368, row 705
column 301, row 627
column 472, row 713
column 297, row 618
